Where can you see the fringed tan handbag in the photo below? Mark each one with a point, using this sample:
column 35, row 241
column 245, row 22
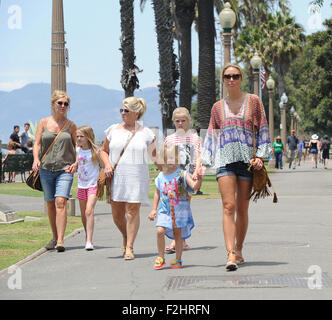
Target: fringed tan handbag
column 261, row 180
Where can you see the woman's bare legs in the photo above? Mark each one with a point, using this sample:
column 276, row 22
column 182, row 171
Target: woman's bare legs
column 118, row 213
column 128, row 226
column 61, row 217
column 133, row 222
column 242, row 201
column 235, row 198
column 52, row 217
column 227, row 188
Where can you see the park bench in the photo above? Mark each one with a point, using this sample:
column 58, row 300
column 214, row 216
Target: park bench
column 17, row 163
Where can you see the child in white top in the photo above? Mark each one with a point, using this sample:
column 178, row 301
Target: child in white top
column 88, row 170
column 174, row 218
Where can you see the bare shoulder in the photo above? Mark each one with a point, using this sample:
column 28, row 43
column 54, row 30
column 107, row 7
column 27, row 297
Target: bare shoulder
column 72, row 126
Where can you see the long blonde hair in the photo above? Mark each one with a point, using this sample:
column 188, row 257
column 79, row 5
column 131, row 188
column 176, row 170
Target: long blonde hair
column 90, row 136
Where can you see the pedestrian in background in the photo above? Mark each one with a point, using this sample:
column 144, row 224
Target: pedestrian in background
column 313, row 145
column 306, row 148
column 11, row 150
column 15, row 138
column 292, row 142
column 278, row 149
column 300, row 150
column 25, row 137
column 326, row 150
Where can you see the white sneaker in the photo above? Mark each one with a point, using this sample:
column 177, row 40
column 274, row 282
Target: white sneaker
column 89, row 246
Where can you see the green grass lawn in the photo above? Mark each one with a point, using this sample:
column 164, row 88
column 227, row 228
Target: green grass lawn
column 19, row 240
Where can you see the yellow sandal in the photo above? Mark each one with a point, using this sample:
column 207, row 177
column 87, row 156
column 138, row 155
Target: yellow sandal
column 231, row 262
column 129, row 255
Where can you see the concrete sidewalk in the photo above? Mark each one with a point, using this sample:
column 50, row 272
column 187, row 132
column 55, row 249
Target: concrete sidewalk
column 288, row 253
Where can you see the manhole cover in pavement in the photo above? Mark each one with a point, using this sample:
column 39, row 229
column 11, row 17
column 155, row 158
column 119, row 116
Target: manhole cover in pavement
column 244, row 281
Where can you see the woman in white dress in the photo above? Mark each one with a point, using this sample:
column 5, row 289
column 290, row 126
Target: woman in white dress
column 130, row 183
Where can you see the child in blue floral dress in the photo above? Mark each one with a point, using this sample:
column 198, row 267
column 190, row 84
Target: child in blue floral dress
column 174, row 218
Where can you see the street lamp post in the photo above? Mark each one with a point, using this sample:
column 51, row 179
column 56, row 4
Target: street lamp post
column 256, row 63
column 292, row 113
column 227, row 20
column 298, row 125
column 58, row 70
column 283, row 103
column 270, row 86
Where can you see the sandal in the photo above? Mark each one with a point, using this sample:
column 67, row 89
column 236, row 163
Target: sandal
column 231, row 262
column 176, row 264
column 159, row 263
column 123, row 249
column 60, row 247
column 186, row 247
column 238, row 254
column 129, row 255
column 170, row 249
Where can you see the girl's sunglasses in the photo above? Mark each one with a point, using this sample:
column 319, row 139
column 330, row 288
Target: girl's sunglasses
column 66, row 104
column 234, row 76
column 124, row 110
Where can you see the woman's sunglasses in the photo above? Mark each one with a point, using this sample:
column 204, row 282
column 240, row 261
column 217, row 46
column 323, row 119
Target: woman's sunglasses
column 66, row 104
column 124, row 110
column 234, row 76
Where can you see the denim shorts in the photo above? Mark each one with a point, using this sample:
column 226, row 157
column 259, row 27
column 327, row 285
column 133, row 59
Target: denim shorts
column 56, row 184
column 238, row 169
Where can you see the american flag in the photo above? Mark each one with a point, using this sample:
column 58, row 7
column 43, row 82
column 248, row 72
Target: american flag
column 262, row 77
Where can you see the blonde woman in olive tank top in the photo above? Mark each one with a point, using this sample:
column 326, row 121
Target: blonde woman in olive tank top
column 58, row 166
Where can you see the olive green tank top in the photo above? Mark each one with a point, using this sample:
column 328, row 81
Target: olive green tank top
column 62, row 154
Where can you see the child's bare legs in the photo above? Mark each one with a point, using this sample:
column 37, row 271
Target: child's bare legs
column 184, row 243
column 161, row 241
column 87, row 214
column 178, row 243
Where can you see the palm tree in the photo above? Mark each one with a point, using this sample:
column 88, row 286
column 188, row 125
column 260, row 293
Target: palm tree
column 129, row 80
column 278, row 41
column 206, row 66
column 184, row 17
column 167, row 61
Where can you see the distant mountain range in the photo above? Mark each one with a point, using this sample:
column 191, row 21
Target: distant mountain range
column 91, row 105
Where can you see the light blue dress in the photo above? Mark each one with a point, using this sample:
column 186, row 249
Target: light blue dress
column 175, row 183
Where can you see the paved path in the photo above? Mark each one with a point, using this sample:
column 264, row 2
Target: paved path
column 284, row 240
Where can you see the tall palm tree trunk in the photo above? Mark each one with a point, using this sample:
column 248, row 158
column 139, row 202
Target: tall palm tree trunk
column 185, row 14
column 206, row 65
column 129, row 80
column 167, row 65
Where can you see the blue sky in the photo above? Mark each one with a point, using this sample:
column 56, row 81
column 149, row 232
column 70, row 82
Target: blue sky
column 92, row 35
